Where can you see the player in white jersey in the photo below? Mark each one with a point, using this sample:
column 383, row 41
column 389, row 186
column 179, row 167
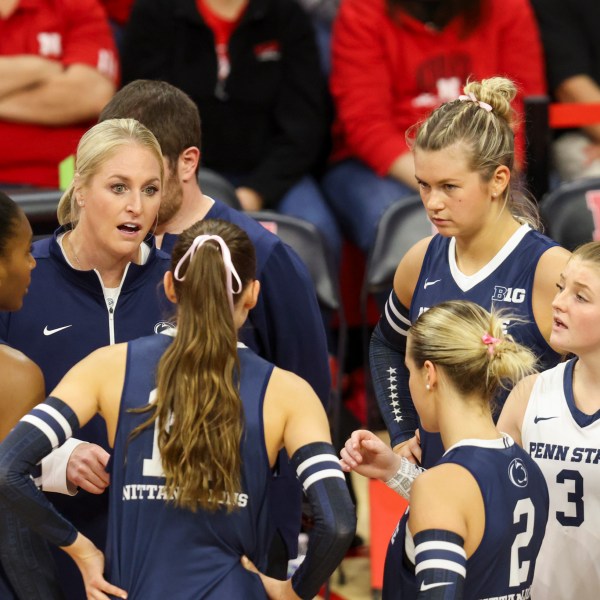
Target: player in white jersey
column 556, row 417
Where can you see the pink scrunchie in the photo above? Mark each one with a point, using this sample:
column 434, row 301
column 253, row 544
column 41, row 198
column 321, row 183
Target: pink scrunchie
column 490, row 342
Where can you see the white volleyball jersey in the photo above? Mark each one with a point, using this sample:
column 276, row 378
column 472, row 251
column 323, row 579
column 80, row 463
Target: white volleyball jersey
column 565, row 443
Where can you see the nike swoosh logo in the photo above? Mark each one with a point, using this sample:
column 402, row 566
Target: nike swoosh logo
column 428, row 283
column 53, row 331
column 428, row 586
column 538, row 419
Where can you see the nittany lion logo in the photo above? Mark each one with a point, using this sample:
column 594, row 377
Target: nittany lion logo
column 162, row 326
column 517, row 473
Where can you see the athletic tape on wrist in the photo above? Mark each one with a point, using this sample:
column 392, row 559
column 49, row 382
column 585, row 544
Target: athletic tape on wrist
column 402, row 481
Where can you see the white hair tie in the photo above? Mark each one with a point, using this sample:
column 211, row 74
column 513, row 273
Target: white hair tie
column 230, row 271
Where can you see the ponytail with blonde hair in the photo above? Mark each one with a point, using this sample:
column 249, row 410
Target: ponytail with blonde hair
column 469, row 344
column 96, row 146
column 198, row 407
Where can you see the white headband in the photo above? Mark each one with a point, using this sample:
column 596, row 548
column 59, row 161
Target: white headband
column 229, row 268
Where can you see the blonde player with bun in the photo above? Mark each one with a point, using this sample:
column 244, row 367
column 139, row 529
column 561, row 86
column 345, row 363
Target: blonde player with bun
column 487, row 249
column 477, row 518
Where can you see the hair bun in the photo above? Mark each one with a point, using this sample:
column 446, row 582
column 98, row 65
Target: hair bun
column 498, row 92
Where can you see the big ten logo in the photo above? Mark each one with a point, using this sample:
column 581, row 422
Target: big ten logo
column 50, row 44
column 504, row 294
column 592, row 199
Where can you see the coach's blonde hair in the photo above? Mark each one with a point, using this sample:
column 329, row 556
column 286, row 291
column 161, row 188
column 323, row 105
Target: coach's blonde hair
column 487, row 135
column 198, row 407
column 451, row 335
column 98, row 145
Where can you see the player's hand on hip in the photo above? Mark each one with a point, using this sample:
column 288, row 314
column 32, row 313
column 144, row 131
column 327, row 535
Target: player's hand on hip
column 369, row 456
column 87, row 468
column 276, row 588
column 90, row 562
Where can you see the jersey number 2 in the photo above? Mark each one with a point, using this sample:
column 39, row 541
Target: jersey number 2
column 520, row 571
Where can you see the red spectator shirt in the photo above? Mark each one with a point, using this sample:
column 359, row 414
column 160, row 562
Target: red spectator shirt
column 118, row 10
column 387, row 76
column 71, row 31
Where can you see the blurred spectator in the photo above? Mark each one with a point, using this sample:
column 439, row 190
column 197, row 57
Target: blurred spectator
column 252, row 67
column 322, row 14
column 58, row 68
column 572, row 45
column 118, row 12
column 393, row 62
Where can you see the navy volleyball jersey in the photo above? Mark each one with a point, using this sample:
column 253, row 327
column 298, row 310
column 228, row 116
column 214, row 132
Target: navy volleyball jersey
column 158, row 551
column 506, row 282
column 515, row 497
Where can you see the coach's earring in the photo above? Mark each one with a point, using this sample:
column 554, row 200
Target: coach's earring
column 427, row 386
column 80, row 202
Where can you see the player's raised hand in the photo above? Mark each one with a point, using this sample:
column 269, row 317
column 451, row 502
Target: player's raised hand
column 369, row 456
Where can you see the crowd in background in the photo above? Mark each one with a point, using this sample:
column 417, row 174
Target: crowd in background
column 328, row 111
column 305, row 109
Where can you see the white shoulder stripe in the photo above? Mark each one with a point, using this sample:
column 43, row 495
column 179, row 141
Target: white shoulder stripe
column 43, row 427
column 60, row 419
column 438, row 563
column 392, row 323
column 313, row 460
column 324, row 474
column 440, row 545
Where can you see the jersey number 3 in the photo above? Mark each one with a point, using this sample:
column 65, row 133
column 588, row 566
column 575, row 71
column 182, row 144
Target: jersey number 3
column 575, row 497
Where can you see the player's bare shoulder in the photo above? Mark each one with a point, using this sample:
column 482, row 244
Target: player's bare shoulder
column 17, row 371
column 21, row 387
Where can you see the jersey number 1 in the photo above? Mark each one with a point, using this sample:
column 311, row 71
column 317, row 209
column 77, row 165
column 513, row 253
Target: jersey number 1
column 152, row 467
